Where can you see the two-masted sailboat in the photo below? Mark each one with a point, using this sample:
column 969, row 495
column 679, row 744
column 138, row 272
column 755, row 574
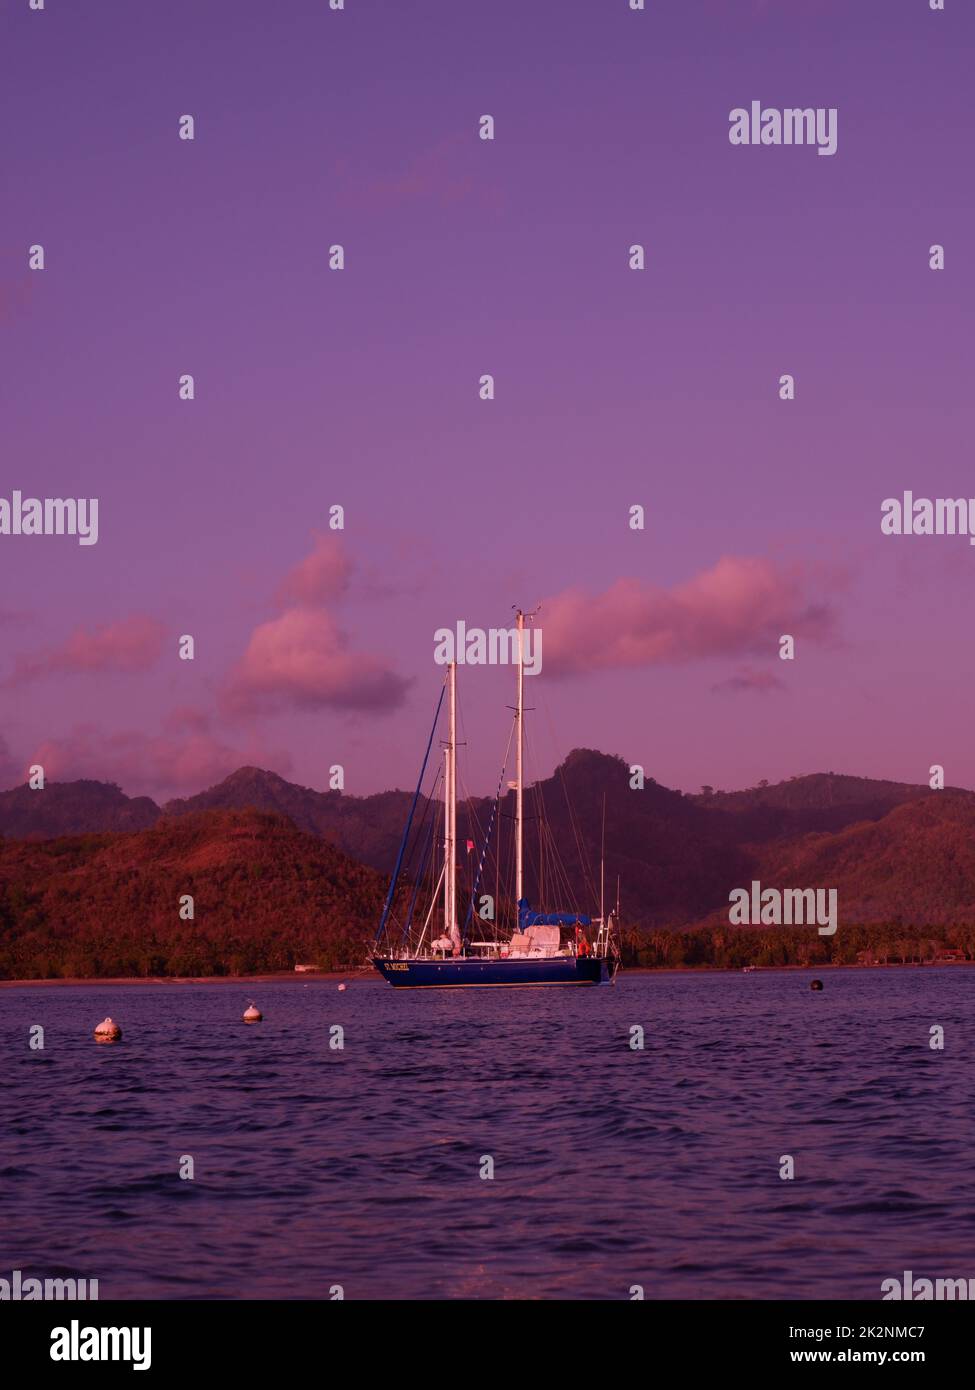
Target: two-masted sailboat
column 560, row 948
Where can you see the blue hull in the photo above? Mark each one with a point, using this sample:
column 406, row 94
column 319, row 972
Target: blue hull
column 469, row 972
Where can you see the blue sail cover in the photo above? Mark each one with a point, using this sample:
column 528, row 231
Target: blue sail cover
column 527, row 918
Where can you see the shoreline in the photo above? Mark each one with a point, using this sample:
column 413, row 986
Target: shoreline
column 131, row 980
column 371, row 976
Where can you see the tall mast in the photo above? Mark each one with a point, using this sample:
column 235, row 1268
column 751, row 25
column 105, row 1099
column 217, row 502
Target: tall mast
column 450, row 812
column 519, row 759
column 602, row 870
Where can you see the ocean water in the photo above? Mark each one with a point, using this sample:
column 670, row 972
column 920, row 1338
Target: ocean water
column 361, row 1167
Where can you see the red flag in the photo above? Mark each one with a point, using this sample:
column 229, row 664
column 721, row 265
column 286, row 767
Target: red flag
column 470, row 846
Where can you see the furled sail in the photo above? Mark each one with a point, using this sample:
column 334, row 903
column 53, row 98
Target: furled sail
column 527, row 918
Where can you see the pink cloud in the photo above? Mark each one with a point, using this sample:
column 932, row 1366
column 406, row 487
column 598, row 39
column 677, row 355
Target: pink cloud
column 739, row 607
column 320, row 576
column 150, row 764
column 302, row 660
column 131, row 645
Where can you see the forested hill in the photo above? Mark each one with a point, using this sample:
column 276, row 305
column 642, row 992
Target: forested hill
column 266, row 896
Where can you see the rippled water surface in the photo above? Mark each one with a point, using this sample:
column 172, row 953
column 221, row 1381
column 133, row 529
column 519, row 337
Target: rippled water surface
column 612, row 1167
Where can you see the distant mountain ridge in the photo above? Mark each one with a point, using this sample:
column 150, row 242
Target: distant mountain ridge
column 819, row 801
column 817, row 790
column 72, row 808
column 368, row 828
column 676, row 856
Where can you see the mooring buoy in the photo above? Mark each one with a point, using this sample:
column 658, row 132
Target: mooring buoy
column 108, row 1031
column 342, row 986
column 816, row 984
column 252, row 1014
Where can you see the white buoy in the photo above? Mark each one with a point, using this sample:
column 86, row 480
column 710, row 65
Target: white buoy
column 252, row 1014
column 342, row 986
column 108, row 1031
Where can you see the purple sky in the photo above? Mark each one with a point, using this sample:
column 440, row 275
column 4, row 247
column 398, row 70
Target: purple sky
column 360, row 387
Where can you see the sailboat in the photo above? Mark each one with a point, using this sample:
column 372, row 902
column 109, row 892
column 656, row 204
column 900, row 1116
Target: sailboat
column 543, row 949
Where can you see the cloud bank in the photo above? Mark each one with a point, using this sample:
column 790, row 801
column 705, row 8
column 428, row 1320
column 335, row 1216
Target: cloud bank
column 126, row 647
column 739, row 607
